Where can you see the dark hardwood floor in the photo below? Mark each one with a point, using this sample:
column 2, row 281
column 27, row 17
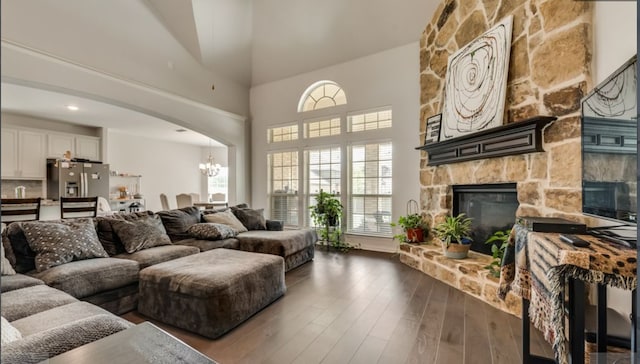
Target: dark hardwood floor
column 367, row 307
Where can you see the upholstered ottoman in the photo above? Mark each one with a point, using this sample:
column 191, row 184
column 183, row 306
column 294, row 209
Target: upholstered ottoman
column 211, row 292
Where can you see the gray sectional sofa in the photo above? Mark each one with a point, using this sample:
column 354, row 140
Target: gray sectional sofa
column 106, row 276
column 49, row 321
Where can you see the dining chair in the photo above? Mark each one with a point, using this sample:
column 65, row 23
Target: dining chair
column 219, row 199
column 78, row 207
column 184, row 200
column 165, row 202
column 195, row 197
column 20, row 209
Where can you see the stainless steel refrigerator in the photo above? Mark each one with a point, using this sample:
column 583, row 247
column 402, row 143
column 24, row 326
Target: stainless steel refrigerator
column 76, row 179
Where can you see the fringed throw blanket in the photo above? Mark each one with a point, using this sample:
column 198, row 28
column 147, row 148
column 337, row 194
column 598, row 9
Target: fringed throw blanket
column 536, row 265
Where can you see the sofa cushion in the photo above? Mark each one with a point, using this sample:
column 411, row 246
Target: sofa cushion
column 211, row 231
column 159, row 254
column 226, row 218
column 9, row 332
column 57, row 316
column 84, row 278
column 204, row 245
column 282, row 243
column 28, row 301
column 5, row 266
column 57, row 243
column 143, row 233
column 178, row 221
column 17, row 247
column 250, row 218
column 17, row 281
column 49, row 343
column 110, row 241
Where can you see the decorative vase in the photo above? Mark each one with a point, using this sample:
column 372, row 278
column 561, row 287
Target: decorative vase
column 456, row 251
column 415, row 235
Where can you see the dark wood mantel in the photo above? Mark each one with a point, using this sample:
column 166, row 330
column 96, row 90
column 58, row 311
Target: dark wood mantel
column 511, row 139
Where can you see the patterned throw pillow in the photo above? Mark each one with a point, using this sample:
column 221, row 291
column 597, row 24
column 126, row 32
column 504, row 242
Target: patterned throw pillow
column 211, row 231
column 141, row 234
column 226, row 218
column 250, row 218
column 57, row 243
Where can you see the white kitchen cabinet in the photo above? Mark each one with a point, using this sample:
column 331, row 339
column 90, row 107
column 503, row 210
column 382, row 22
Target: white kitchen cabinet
column 32, row 154
column 59, row 144
column 23, row 153
column 88, row 148
column 9, row 152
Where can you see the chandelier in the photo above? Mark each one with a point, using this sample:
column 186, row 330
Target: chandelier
column 210, row 168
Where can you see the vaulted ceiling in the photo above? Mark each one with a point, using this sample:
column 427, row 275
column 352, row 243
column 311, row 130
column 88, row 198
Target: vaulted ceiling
column 266, row 40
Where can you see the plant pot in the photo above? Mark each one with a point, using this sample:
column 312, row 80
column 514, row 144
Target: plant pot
column 456, row 251
column 415, row 235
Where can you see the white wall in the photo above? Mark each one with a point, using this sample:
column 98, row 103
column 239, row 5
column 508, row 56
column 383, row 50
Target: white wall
column 386, row 78
column 615, row 36
column 615, row 41
column 169, row 168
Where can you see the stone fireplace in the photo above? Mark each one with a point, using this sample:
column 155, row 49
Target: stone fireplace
column 549, row 73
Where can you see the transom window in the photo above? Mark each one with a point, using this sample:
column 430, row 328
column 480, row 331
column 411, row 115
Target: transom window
column 322, row 128
column 370, row 121
column 282, row 134
column 320, row 95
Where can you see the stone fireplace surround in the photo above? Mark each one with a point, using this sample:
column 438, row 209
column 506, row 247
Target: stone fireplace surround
column 549, row 73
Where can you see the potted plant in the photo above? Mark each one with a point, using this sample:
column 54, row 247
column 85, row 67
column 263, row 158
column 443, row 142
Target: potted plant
column 327, row 216
column 454, row 234
column 500, row 241
column 413, row 227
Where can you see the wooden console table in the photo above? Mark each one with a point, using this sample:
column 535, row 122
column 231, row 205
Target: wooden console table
column 543, row 270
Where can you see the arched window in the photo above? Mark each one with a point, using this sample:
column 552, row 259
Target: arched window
column 320, row 95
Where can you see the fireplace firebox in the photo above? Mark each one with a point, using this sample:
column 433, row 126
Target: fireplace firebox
column 491, row 206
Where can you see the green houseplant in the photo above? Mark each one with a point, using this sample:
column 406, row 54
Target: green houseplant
column 413, row 227
column 500, row 241
column 327, row 217
column 454, row 234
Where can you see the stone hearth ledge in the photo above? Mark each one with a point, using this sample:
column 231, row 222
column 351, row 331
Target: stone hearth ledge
column 467, row 275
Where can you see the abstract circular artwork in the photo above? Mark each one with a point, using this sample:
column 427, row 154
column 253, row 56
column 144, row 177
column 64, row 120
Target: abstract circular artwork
column 476, row 83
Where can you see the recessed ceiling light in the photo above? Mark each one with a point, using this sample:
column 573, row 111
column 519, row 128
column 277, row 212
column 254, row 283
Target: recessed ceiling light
column 181, row 130
column 72, row 107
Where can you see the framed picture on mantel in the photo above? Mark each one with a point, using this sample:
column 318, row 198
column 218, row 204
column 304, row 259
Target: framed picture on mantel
column 432, row 131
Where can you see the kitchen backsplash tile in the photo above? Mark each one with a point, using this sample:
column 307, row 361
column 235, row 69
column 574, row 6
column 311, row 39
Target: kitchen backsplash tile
column 34, row 188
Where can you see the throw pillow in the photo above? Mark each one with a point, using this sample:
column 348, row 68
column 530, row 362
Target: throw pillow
column 141, row 234
column 16, row 248
column 108, row 237
column 5, row 266
column 211, row 231
column 226, row 218
column 250, row 218
column 9, row 333
column 178, row 221
column 57, row 243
